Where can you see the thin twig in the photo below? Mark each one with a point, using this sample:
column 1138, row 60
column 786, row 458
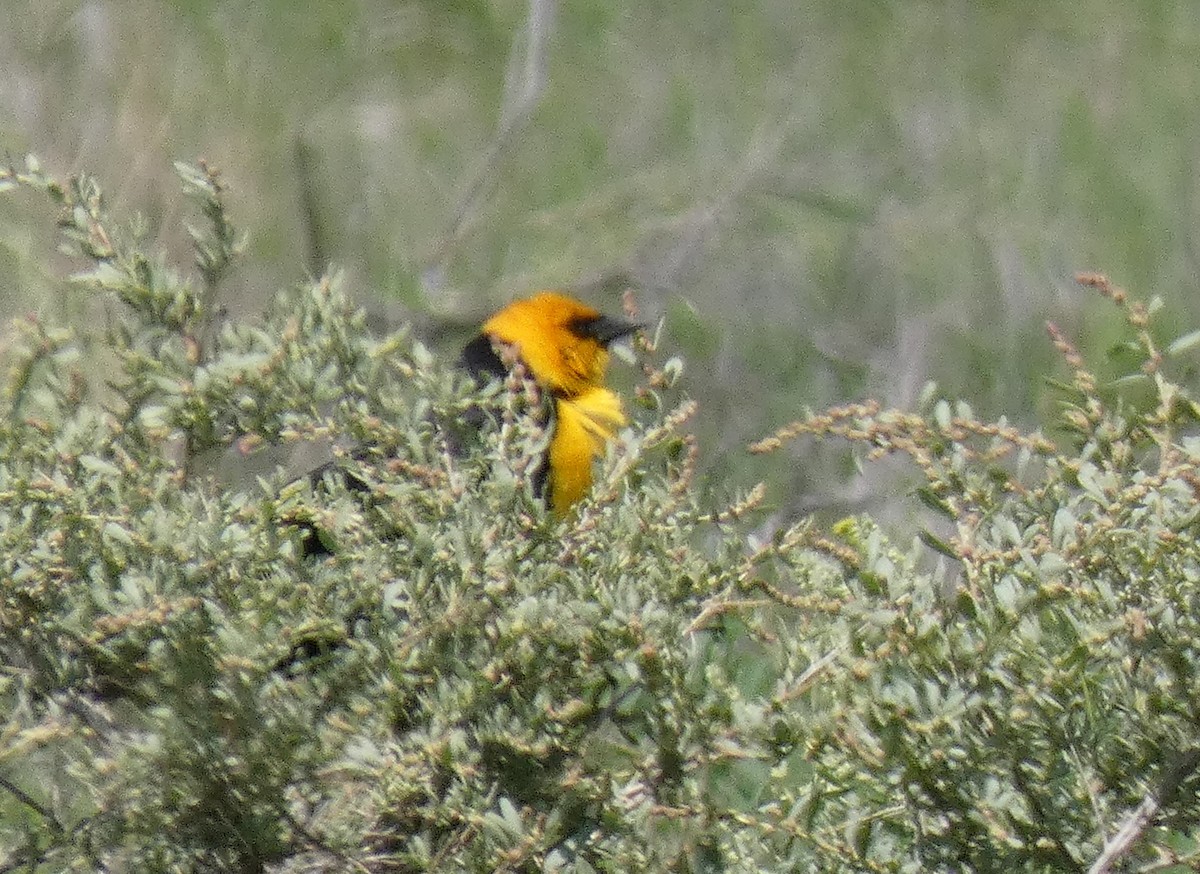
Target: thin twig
column 319, row 845
column 316, row 254
column 810, row 675
column 1135, row 825
column 41, row 810
column 529, row 55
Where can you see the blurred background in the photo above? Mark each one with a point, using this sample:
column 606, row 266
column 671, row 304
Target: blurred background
column 825, row 199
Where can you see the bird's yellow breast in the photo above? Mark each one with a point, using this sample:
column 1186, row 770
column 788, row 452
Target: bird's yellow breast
column 582, row 428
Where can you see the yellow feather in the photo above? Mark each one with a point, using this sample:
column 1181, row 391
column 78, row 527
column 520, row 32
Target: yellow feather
column 583, row 426
column 540, row 327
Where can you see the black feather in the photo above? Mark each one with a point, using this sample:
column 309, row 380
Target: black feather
column 480, row 360
column 602, row 329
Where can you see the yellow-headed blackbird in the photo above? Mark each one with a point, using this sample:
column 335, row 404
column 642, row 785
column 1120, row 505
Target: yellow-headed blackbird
column 563, row 344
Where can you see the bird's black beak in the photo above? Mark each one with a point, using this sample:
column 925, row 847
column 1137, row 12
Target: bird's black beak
column 604, row 329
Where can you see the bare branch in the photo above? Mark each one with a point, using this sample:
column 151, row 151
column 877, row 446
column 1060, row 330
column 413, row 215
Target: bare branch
column 522, row 92
column 1135, row 825
column 42, row 811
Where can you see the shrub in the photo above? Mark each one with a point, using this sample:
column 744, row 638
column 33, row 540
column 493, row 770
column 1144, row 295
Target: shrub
column 467, row 684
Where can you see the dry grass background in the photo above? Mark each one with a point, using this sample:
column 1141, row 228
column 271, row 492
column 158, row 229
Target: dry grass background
column 826, row 200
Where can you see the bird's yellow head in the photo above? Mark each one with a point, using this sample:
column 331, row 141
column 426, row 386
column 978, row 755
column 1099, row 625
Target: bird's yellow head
column 561, row 341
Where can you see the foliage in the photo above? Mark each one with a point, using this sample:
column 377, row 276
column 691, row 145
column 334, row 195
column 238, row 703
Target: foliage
column 1011, row 714
column 830, row 199
column 467, row 684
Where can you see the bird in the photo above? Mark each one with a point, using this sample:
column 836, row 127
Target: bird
column 562, row 344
